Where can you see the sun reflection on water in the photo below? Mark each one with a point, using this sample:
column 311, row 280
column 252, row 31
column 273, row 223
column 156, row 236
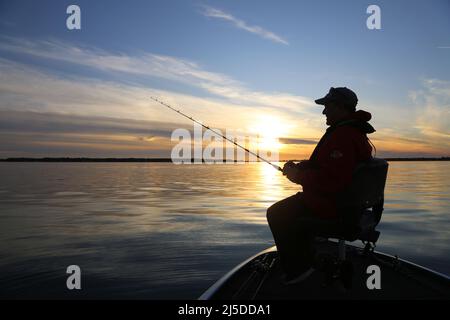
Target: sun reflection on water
column 274, row 185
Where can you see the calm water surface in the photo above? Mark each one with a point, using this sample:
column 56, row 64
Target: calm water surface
column 161, row 231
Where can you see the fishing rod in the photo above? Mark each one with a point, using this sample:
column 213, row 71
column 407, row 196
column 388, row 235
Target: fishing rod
column 208, row 128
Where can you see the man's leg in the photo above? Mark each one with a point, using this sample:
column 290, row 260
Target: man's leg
column 290, row 223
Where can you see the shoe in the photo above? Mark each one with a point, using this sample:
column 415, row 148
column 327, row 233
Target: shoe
column 293, row 279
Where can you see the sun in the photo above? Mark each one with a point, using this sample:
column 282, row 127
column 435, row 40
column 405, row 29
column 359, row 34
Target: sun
column 269, row 130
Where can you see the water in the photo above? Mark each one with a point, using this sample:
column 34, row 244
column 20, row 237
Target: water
column 161, row 231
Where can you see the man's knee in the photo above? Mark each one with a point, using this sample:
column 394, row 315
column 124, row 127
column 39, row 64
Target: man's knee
column 285, row 206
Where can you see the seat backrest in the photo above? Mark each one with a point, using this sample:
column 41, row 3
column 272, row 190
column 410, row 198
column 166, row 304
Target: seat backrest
column 367, row 186
column 361, row 204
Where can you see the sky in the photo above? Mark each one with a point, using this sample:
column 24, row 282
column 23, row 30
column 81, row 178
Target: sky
column 251, row 67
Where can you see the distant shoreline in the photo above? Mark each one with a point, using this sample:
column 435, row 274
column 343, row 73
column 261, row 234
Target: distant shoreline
column 169, row 160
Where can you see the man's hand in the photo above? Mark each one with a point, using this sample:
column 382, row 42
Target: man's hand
column 291, row 171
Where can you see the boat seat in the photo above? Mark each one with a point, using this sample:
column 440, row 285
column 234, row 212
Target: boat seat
column 360, row 206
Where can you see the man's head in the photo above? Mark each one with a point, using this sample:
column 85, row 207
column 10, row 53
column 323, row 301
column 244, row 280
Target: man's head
column 339, row 103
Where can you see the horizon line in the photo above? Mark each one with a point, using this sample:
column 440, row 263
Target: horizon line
column 193, row 160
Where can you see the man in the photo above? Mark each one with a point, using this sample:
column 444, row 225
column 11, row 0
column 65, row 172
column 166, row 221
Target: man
column 327, row 172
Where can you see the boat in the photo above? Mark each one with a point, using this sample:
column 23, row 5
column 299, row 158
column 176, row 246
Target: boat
column 260, row 278
column 341, row 270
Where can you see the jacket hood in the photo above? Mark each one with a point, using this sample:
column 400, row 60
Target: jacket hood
column 359, row 119
column 361, row 115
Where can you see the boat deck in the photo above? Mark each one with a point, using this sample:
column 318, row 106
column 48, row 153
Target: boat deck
column 399, row 279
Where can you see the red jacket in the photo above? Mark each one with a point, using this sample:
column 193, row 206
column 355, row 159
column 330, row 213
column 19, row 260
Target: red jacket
column 330, row 167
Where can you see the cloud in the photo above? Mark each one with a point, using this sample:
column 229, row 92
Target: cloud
column 82, row 94
column 421, row 127
column 54, row 123
column 145, row 64
column 25, row 88
column 170, row 68
column 391, row 142
column 297, row 141
column 219, row 14
column 433, row 114
column 228, row 104
column 42, row 114
column 25, row 133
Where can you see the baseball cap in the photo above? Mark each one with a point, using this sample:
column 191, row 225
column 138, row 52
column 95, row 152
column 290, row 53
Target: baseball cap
column 342, row 94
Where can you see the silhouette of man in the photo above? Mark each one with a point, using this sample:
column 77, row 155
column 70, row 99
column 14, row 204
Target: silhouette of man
column 327, row 172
